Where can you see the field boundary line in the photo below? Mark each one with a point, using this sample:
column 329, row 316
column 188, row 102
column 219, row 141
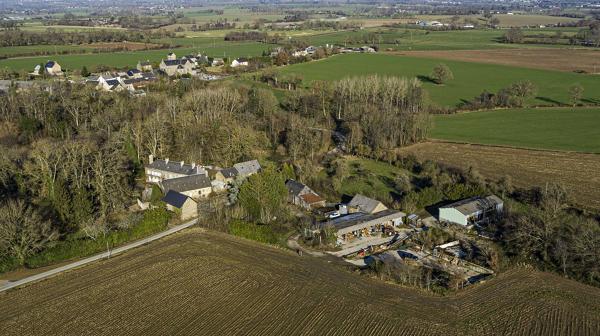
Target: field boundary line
column 434, row 140
column 534, row 107
column 100, row 256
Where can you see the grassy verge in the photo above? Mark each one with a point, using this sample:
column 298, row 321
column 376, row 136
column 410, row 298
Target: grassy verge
column 260, row 233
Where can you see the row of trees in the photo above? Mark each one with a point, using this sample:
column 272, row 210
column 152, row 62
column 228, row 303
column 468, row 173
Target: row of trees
column 9, row 38
column 381, row 112
column 515, row 95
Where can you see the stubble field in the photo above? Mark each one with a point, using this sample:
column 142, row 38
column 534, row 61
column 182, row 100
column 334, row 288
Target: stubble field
column 527, row 168
column 206, row 283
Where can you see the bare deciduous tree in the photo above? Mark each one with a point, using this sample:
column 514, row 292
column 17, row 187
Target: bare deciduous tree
column 22, row 231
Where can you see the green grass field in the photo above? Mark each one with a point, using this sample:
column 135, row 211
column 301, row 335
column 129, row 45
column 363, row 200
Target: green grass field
column 125, row 59
column 470, row 79
column 402, row 39
column 569, row 129
column 31, row 49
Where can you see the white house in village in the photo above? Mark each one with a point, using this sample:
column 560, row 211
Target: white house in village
column 112, row 84
column 238, row 62
column 52, row 68
column 470, row 211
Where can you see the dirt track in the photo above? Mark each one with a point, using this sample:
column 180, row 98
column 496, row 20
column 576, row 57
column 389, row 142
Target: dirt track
column 213, row 284
column 527, row 168
column 549, row 58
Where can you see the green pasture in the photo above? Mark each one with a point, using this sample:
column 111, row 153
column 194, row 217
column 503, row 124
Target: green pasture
column 570, row 129
column 50, row 49
column 130, row 59
column 404, row 39
column 232, row 14
column 470, row 79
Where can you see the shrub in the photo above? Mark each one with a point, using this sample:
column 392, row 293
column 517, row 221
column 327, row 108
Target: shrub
column 258, row 232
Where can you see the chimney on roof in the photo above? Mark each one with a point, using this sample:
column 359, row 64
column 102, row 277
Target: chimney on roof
column 193, row 165
column 181, row 163
column 150, row 159
column 167, row 160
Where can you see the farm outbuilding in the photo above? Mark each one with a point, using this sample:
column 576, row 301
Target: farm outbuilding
column 365, row 204
column 358, row 224
column 470, row 211
column 184, row 205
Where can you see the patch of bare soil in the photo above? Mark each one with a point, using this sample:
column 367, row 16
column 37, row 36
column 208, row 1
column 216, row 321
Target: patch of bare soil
column 206, row 283
column 550, row 58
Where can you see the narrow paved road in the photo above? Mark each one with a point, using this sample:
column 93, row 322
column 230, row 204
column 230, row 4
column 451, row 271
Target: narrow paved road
column 52, row 272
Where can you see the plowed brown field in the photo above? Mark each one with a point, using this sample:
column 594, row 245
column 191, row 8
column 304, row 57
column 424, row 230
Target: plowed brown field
column 579, row 172
column 550, row 58
column 205, row 283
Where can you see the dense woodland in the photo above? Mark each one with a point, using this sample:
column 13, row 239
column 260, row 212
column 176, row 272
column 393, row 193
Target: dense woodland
column 73, row 157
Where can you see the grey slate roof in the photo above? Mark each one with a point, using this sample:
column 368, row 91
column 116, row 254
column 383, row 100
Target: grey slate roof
column 172, row 166
column 364, row 203
column 112, row 82
column 229, row 172
column 358, row 220
column 176, row 62
column 187, row 183
column 294, row 187
column 475, row 204
column 175, row 199
column 247, row 167
column 133, row 80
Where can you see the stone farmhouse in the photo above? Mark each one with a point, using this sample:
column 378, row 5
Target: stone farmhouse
column 158, row 170
column 195, row 186
column 175, row 67
column 301, row 195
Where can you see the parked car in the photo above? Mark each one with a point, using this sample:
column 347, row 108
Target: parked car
column 334, row 214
